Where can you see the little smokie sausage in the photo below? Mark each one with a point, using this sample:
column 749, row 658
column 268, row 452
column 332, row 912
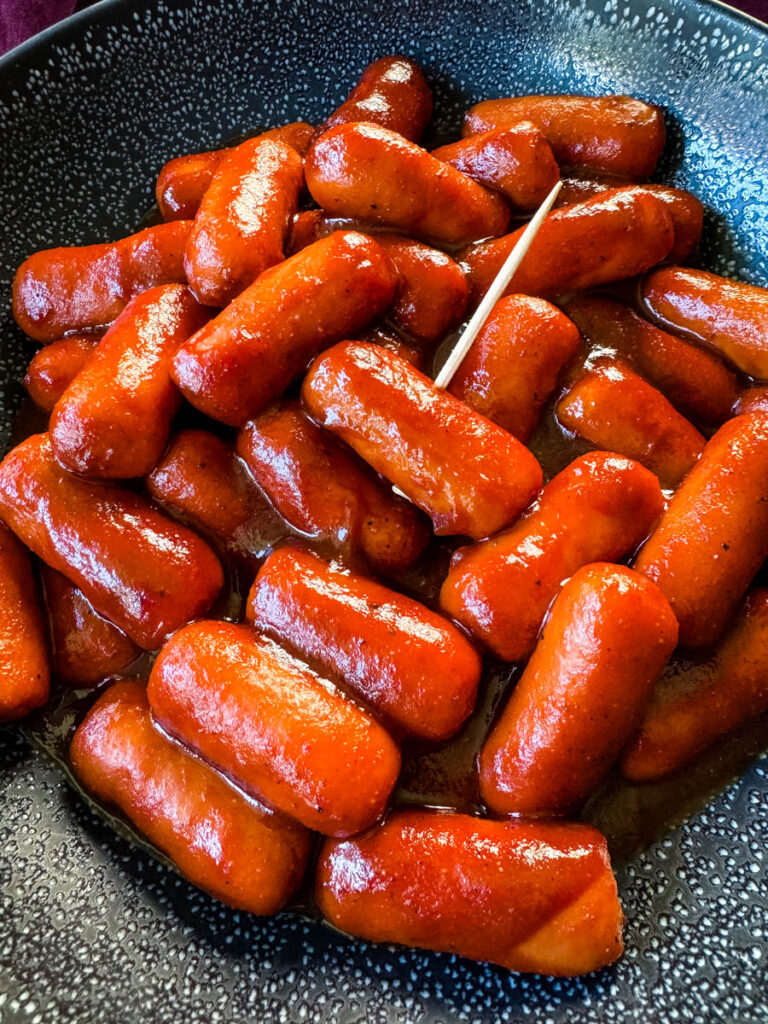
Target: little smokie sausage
column 615, row 235
column 243, row 220
column 694, row 380
column 580, row 183
column 323, row 490
column 537, row 897
column 305, row 228
column 74, row 288
column 714, row 535
column 246, row 357
column 86, row 648
column 409, row 663
column 375, row 175
column 274, row 726
column 470, row 476
column 598, row 508
column 582, row 695
column 752, row 400
column 139, row 569
column 696, row 704
column 387, row 337
column 612, row 133
column 516, row 161
column 219, row 840
column 513, row 365
column 614, row 409
column 729, row 316
column 201, row 480
column 114, row 419
column 393, row 93
column 25, row 675
column 54, row 367
column 183, row 181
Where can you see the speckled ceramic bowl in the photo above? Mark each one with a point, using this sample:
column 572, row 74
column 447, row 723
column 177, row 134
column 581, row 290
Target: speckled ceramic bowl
column 93, row 929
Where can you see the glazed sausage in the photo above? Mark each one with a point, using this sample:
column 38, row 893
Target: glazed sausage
column 409, row 663
column 514, row 363
column 582, row 695
column 714, row 536
column 323, row 490
column 581, row 183
column 26, row 675
column 137, row 568
column 616, row 410
column 615, row 235
column 391, row 92
column 305, row 229
column 386, row 337
column 530, row 896
column 598, row 508
column 220, row 841
column 243, row 220
column 200, row 480
column 694, row 380
column 375, row 175
column 470, row 476
column 695, row 704
column 729, row 316
column 274, row 726
column 516, row 161
column 752, row 400
column 54, row 367
column 74, row 288
column 183, row 181
column 113, row 421
column 85, row 647
column 245, row 358
column 612, row 133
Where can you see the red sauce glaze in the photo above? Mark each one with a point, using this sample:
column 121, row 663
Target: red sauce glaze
column 53, row 368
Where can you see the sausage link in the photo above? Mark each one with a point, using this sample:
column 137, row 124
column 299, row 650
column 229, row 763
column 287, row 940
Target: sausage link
column 470, row 476
column 582, row 695
column 597, row 509
column 274, row 726
column 752, row 400
column 221, row 842
column 387, row 337
column 409, row 663
column 305, row 229
column 54, row 367
column 581, row 183
column 137, row 568
column 74, row 288
column 529, row 896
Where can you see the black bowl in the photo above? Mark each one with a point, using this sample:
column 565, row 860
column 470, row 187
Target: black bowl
column 91, row 927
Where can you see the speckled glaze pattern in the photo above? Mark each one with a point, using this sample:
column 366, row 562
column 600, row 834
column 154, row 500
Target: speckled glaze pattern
column 93, row 929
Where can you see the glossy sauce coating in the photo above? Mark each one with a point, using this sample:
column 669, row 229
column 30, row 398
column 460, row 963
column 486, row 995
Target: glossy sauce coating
column 375, row 175
column 323, row 490
column 304, row 229
column 582, row 695
column 614, row 235
column 516, row 161
column 597, row 509
column 529, row 896
column 614, row 409
column 183, row 181
column 695, row 381
column 25, row 675
column 201, row 480
column 687, row 215
column 611, row 133
column 752, row 400
column 580, row 183
column 695, row 705
column 729, row 316
column 392, row 92
column 714, row 535
column 219, row 840
column 140, row 570
column 413, row 666
column 514, row 363
column 274, row 726
column 114, row 419
column 86, row 648
column 387, row 337
column 470, row 476
column 73, row 288
column 243, row 219
column 246, row 357
column 53, row 368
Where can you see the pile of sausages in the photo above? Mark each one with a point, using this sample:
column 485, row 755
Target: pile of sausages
column 234, row 393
